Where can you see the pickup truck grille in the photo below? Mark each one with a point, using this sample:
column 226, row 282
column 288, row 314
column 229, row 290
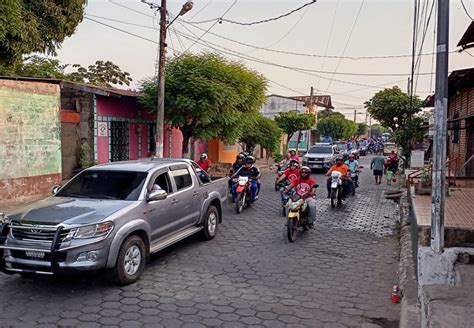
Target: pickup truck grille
column 32, row 233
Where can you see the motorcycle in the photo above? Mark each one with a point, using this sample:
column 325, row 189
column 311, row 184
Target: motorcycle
column 244, row 193
column 284, row 200
column 336, row 188
column 297, row 216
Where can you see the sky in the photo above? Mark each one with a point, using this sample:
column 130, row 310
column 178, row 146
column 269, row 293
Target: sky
column 338, row 28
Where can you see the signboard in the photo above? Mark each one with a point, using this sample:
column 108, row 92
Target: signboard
column 102, row 129
column 417, row 159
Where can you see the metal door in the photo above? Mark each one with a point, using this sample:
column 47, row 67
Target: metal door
column 119, row 141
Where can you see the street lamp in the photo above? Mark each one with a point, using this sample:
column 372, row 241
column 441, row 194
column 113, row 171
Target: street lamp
column 160, row 108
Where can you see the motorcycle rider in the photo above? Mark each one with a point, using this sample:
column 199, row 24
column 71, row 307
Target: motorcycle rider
column 248, row 170
column 305, row 187
column 290, row 173
column 294, row 156
column 239, row 162
column 344, row 169
column 204, row 163
column 353, row 165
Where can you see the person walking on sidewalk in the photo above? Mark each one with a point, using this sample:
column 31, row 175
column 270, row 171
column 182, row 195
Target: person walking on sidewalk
column 378, row 166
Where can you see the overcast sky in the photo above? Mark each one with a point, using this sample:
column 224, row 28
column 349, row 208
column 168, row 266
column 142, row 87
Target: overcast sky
column 382, row 28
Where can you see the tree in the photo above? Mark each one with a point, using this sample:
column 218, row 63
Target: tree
column 265, row 132
column 337, row 127
column 291, row 122
column 362, row 129
column 208, row 96
column 377, row 130
column 28, row 26
column 101, row 73
column 395, row 110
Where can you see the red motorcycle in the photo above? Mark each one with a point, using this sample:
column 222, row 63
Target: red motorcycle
column 243, row 189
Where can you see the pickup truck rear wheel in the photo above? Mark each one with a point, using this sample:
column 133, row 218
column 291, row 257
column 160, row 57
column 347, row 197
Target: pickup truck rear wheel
column 211, row 222
column 130, row 261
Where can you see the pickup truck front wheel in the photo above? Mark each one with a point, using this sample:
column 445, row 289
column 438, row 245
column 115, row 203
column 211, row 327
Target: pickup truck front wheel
column 130, row 261
column 211, row 223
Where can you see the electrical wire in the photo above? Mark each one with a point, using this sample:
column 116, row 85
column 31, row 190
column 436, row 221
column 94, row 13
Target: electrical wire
column 329, row 37
column 465, row 9
column 210, row 27
column 200, row 10
column 222, row 19
column 425, row 30
column 347, row 43
column 434, row 44
column 131, row 9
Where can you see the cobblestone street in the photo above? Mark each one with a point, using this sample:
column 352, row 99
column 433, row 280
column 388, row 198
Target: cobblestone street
column 338, row 275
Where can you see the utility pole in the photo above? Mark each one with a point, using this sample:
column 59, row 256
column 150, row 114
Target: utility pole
column 160, row 106
column 439, row 144
column 355, row 115
column 160, row 109
column 311, row 102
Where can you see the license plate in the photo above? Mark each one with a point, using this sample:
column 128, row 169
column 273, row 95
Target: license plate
column 334, row 185
column 35, row 254
column 317, row 166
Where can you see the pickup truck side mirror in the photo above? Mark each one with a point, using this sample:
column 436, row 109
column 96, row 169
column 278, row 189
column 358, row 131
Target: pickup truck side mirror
column 156, row 195
column 55, row 189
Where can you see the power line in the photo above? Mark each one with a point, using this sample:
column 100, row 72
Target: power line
column 222, row 19
column 465, row 9
column 210, row 27
column 425, row 30
column 131, row 9
column 290, row 30
column 200, row 10
column 347, row 43
column 123, row 31
column 329, row 37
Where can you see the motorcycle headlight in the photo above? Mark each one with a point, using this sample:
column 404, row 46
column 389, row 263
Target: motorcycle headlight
column 93, row 230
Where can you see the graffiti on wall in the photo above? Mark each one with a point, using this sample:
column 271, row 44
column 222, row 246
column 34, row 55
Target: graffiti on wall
column 30, row 140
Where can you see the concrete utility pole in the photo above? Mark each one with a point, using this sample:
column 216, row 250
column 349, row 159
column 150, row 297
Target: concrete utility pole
column 311, row 102
column 160, row 109
column 355, row 115
column 160, row 106
column 439, row 144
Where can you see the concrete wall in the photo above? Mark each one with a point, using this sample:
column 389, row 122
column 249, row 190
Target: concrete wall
column 30, row 142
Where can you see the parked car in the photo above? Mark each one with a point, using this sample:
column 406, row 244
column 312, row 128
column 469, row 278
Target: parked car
column 388, row 147
column 320, row 156
column 112, row 217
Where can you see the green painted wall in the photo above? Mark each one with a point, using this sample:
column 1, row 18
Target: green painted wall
column 30, row 143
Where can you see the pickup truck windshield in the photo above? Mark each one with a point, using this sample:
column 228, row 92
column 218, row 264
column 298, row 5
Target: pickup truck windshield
column 105, row 184
column 320, row 150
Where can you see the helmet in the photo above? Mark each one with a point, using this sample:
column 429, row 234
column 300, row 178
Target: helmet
column 244, row 153
column 295, row 162
column 250, row 160
column 305, row 172
column 240, row 157
column 203, row 156
column 292, row 151
column 339, row 160
column 351, row 156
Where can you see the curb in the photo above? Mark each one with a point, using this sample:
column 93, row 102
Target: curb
column 410, row 313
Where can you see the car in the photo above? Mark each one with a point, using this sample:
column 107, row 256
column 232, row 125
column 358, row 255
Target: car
column 112, row 217
column 344, row 150
column 388, row 147
column 321, row 156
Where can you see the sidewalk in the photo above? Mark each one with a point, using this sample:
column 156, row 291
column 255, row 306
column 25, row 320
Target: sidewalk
column 449, row 304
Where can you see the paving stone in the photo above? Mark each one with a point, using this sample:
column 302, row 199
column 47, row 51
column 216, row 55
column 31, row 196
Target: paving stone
column 249, row 275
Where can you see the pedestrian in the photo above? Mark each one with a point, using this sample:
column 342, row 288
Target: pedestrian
column 204, row 163
column 378, row 165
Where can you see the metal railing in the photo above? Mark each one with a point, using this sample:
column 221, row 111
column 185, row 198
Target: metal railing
column 457, row 173
column 451, row 165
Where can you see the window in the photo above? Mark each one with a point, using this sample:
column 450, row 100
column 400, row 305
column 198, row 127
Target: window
column 320, row 150
column 203, row 176
column 163, row 181
column 456, row 127
column 182, row 178
column 105, row 184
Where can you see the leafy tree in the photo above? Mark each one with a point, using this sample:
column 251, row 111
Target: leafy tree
column 265, row 132
column 362, row 129
column 208, row 96
column 101, row 73
column 327, row 112
column 337, row 127
column 28, row 26
column 291, row 122
column 377, row 130
column 395, row 110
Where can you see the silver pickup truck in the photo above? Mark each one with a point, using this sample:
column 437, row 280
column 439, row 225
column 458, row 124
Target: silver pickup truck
column 112, row 217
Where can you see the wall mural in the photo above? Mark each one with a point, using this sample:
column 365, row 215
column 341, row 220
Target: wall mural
column 30, row 139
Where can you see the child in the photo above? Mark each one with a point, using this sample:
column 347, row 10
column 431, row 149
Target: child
column 389, row 176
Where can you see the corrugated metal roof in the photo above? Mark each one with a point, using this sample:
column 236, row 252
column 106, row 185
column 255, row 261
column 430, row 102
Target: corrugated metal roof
column 468, row 36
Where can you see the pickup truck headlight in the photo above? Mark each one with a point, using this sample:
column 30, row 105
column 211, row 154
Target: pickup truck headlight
column 92, row 231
